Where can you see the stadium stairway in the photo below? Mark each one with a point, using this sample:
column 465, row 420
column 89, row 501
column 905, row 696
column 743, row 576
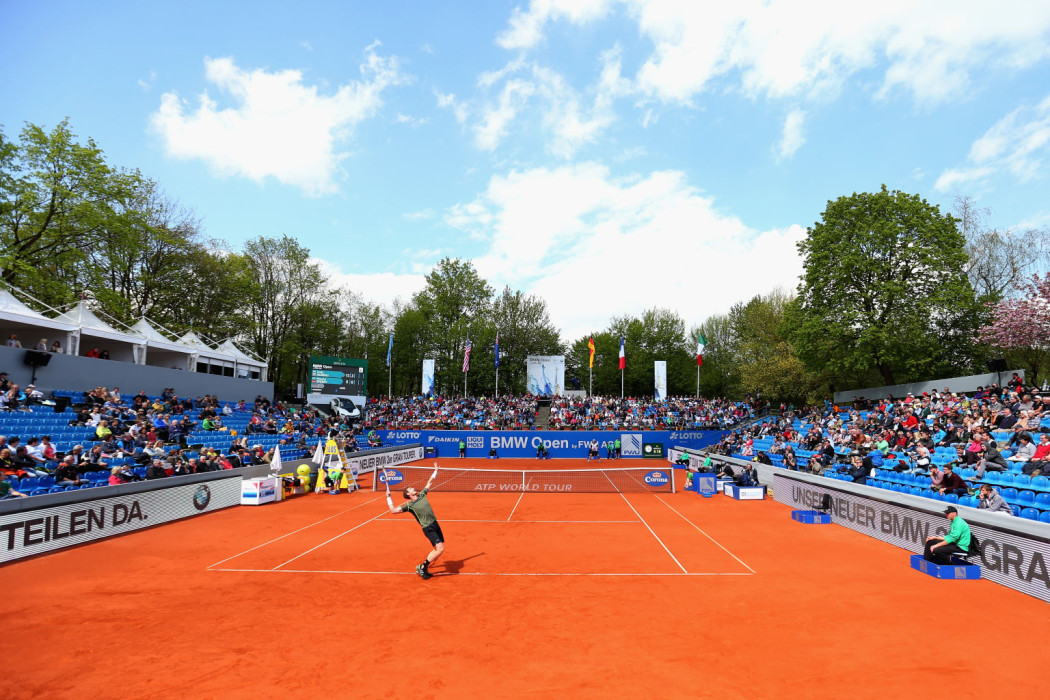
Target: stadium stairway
column 543, row 414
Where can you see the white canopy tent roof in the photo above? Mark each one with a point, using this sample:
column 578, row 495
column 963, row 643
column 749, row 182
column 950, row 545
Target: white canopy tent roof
column 92, row 325
column 242, row 357
column 156, row 339
column 202, row 349
column 13, row 310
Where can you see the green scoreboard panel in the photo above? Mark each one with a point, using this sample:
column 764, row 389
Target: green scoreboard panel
column 337, row 376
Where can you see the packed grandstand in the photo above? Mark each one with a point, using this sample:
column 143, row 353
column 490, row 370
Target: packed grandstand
column 912, row 444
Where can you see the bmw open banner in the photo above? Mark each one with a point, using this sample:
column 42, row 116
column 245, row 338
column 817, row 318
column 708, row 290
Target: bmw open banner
column 546, row 374
column 428, row 378
column 559, row 443
column 660, row 380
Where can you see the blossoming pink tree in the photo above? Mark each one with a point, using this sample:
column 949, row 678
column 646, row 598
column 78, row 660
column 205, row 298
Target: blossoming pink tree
column 1020, row 325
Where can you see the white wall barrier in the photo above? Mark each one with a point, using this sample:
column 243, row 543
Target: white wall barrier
column 27, row 532
column 1013, row 552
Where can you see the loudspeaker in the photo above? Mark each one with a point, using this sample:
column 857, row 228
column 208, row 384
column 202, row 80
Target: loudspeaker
column 35, row 358
column 61, row 404
column 997, row 365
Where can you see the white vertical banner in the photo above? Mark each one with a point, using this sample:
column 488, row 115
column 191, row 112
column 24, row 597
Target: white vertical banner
column 660, row 380
column 546, row 374
column 428, row 377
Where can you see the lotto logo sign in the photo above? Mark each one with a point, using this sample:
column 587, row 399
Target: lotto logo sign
column 391, row 477
column 478, row 442
column 631, row 444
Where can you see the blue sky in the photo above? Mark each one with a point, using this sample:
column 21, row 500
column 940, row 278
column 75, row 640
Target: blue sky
column 610, row 155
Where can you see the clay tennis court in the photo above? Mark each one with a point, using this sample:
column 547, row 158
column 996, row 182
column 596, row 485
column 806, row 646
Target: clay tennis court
column 539, row 594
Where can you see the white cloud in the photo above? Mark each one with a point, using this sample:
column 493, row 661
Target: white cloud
column 275, row 125
column 780, row 48
column 410, row 120
column 594, row 245
column 571, row 119
column 792, row 138
column 379, row 287
column 526, row 27
column 1016, row 144
column 147, row 83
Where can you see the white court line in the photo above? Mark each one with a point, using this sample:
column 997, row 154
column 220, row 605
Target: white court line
column 655, row 535
column 516, row 505
column 705, row 534
column 473, row 573
column 291, row 533
column 330, row 540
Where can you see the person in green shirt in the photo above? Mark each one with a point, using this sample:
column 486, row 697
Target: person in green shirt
column 939, row 550
column 8, row 491
column 462, row 448
column 616, row 446
column 419, row 506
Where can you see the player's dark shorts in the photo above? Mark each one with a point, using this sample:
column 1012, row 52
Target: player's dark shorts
column 433, row 533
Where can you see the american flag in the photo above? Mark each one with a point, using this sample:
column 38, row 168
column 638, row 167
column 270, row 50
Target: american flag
column 466, row 358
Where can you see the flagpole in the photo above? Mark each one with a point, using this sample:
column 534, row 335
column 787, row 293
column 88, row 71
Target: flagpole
column 621, row 383
column 389, row 380
column 590, row 382
column 497, row 381
column 698, row 381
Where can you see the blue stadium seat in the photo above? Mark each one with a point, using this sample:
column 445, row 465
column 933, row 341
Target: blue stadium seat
column 938, row 496
column 56, row 489
column 37, row 492
column 1006, row 478
column 1026, row 499
column 966, row 501
column 1009, row 494
column 1030, row 513
column 1042, row 500
column 1022, row 481
column 991, row 477
column 1044, row 517
column 915, row 491
column 1040, row 483
column 951, row 498
column 1016, row 509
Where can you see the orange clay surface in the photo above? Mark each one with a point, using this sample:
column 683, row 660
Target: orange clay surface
column 537, row 596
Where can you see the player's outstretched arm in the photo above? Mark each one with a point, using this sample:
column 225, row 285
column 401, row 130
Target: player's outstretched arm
column 430, row 481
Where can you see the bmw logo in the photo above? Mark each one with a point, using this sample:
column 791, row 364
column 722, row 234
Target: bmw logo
column 202, row 497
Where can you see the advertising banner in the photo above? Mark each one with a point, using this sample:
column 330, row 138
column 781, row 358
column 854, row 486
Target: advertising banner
column 1015, row 559
column 545, row 374
column 428, row 378
column 660, row 380
column 559, row 443
column 26, row 533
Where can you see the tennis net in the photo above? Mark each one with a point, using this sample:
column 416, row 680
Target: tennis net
column 636, row 480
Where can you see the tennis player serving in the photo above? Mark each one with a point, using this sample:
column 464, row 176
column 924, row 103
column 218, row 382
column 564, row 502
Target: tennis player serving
column 419, row 506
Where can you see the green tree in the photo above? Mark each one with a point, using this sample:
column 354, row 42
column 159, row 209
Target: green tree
column 884, row 294
column 455, row 302
column 765, row 357
column 283, row 283
column 58, row 200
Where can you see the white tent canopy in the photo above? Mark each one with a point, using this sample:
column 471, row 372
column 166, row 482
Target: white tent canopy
column 162, row 351
column 121, row 346
column 11, row 309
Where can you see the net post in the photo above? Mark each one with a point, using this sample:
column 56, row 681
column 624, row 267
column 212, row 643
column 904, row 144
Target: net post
column 672, row 479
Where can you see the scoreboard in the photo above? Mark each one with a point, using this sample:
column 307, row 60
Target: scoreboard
column 332, row 377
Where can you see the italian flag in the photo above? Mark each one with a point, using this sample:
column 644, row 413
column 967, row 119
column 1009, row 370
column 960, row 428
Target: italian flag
column 623, row 357
column 701, row 343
